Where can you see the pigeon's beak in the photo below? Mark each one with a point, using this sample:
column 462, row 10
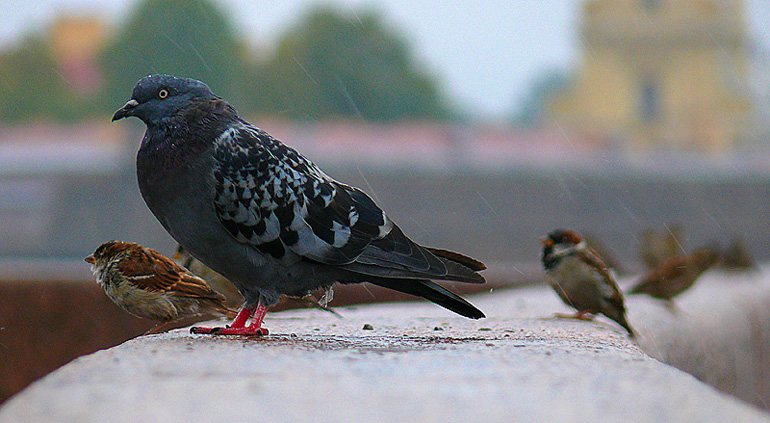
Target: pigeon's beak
column 126, row 110
column 90, row 260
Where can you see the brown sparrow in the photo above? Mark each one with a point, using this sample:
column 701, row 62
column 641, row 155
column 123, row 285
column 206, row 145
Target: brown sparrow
column 147, row 284
column 217, row 282
column 658, row 246
column 677, row 274
column 737, row 257
column 183, row 258
column 581, row 279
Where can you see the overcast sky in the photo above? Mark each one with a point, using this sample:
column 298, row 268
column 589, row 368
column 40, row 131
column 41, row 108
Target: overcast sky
column 484, row 52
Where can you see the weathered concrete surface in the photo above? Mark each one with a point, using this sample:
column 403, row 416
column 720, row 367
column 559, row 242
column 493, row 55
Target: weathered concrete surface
column 419, row 363
column 718, row 331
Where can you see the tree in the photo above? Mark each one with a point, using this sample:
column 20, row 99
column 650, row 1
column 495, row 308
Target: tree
column 349, row 66
column 189, row 38
column 31, row 86
column 542, row 90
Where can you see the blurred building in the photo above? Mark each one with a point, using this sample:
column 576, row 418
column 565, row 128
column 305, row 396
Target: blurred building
column 661, row 75
column 75, row 43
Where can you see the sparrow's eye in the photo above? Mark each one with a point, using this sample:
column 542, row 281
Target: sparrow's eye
column 163, row 93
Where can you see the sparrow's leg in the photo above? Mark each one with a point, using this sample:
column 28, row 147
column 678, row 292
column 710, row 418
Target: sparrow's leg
column 671, row 306
column 156, row 328
column 580, row 315
column 254, row 312
column 312, row 302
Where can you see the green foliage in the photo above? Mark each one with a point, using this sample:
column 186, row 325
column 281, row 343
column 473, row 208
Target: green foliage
column 30, row 85
column 349, row 66
column 541, row 92
column 189, row 38
column 329, row 65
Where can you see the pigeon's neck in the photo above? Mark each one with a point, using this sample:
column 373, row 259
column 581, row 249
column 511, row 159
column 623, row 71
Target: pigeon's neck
column 175, row 142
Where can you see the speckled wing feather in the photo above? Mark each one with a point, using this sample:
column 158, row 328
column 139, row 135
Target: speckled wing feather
column 269, row 196
column 152, row 271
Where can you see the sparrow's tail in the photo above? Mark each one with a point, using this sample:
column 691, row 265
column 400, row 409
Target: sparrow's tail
column 620, row 318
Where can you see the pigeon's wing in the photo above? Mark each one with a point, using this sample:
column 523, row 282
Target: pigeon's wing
column 152, row 271
column 269, row 196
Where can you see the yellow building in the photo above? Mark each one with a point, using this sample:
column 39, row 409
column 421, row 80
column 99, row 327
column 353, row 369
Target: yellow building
column 75, row 43
column 667, row 75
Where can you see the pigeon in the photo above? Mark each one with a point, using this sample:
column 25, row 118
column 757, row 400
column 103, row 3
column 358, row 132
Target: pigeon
column 222, row 285
column 265, row 217
column 581, row 279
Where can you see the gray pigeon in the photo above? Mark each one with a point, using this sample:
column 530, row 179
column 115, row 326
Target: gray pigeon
column 264, row 216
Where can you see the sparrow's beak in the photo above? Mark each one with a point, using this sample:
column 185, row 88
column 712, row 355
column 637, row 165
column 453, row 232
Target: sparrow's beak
column 90, row 260
column 126, row 110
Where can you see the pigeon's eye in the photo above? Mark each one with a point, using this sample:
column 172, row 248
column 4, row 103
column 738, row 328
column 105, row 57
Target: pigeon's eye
column 162, row 93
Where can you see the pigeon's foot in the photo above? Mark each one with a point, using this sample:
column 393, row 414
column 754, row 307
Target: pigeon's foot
column 254, row 312
column 244, row 331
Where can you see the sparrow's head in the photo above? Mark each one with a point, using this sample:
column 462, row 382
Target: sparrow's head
column 106, row 252
column 159, row 97
column 560, row 243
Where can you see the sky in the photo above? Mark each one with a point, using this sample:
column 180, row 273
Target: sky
column 484, row 53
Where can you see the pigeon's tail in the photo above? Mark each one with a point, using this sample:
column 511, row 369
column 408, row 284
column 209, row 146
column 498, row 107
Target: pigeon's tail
column 434, row 292
column 466, row 261
column 459, row 267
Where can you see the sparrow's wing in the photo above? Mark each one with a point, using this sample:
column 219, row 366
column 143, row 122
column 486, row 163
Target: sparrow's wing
column 152, row 271
column 670, row 269
column 593, row 259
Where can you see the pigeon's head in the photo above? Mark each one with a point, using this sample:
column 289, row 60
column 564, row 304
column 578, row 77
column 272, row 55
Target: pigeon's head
column 157, row 97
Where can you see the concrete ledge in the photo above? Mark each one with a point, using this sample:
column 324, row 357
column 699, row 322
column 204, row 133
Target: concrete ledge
column 719, row 332
column 419, row 363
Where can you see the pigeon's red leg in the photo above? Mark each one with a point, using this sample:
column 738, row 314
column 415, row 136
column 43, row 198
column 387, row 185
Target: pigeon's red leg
column 257, row 318
column 254, row 311
column 243, row 316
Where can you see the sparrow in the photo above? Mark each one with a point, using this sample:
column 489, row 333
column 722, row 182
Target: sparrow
column 265, row 217
column 217, row 282
column 658, row 246
column 676, row 274
column 581, row 279
column 737, row 257
column 234, row 298
column 149, row 285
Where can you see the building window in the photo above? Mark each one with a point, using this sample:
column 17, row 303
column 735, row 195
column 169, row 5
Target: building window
column 650, row 99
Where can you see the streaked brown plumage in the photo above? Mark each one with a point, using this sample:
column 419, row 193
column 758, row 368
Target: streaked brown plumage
column 677, row 274
column 149, row 285
column 581, row 279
